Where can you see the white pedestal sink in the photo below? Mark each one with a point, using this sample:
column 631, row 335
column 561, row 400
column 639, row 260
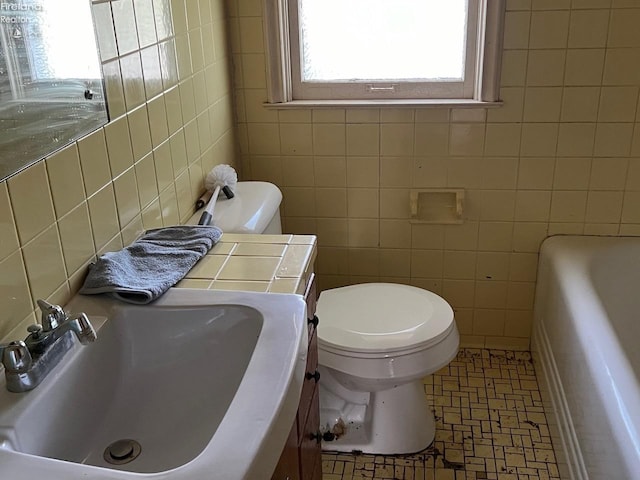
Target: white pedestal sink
column 206, row 383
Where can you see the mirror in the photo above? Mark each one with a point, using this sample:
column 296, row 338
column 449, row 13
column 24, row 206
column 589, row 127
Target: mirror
column 51, row 87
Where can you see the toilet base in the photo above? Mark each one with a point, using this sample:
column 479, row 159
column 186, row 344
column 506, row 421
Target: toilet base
column 387, row 422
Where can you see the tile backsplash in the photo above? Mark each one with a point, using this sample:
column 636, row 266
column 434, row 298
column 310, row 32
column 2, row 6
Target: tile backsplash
column 562, row 155
column 168, row 83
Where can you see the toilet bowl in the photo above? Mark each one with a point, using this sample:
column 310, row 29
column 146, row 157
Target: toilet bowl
column 376, row 342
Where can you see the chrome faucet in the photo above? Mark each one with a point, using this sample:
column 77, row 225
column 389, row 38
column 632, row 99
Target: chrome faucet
column 27, row 362
column 54, row 324
column 16, row 357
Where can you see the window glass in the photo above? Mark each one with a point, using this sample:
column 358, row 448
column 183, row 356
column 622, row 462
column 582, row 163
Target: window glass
column 340, row 52
column 387, row 40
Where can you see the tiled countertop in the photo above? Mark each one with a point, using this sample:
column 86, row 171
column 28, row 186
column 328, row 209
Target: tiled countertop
column 259, row 263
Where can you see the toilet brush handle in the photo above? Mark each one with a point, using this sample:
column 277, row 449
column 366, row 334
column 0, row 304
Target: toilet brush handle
column 207, row 215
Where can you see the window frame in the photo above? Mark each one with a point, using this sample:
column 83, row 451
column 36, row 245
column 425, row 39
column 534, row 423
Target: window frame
column 283, row 93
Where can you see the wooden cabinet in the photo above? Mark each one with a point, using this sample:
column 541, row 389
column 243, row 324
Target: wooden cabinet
column 310, row 453
column 301, row 458
column 288, row 467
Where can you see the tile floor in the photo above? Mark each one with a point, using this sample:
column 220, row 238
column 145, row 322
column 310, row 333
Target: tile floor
column 490, row 424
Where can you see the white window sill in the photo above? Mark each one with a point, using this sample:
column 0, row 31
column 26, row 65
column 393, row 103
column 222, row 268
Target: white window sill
column 395, row 103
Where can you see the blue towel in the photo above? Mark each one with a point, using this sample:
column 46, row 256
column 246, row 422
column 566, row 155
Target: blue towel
column 147, row 268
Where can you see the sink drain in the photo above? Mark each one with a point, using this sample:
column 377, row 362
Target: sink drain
column 122, row 451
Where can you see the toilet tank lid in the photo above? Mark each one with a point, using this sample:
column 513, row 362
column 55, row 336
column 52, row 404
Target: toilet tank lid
column 249, row 211
column 382, row 317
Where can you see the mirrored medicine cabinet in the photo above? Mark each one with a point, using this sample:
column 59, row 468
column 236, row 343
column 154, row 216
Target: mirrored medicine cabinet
column 51, row 85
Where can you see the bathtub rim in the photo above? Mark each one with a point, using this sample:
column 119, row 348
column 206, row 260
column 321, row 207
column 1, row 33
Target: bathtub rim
column 608, row 367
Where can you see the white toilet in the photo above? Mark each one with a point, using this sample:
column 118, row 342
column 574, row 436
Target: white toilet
column 376, row 342
column 255, row 208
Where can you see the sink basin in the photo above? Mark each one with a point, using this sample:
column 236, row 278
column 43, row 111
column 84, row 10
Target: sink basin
column 197, row 382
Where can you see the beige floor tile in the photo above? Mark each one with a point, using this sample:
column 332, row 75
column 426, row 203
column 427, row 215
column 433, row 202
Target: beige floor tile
column 490, row 425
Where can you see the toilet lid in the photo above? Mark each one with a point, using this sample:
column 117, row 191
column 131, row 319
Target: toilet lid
column 381, row 317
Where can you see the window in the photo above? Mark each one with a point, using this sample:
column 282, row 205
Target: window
column 402, row 51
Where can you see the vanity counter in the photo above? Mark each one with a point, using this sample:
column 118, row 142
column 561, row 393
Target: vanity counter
column 259, row 263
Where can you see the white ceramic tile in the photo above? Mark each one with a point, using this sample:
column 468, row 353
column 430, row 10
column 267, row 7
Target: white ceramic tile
column 495, row 236
column 94, row 161
column 113, row 88
column 8, row 234
column 104, row 216
column 151, row 71
column 466, row 139
column 14, row 292
column 546, row 67
column 604, row 207
column 126, row 192
column 249, row 268
column 532, row 205
column 516, row 30
column 103, row 21
column 294, row 261
column 259, row 250
column 76, row 238
column 163, row 18
column 158, row 120
column 119, row 145
column 145, row 22
column 208, row 267
column 44, row 263
column 584, row 67
column 623, row 29
column 132, row 80
column 549, row 29
column 576, row 139
column 33, row 213
column 567, row 206
column 588, row 28
column 251, row 286
column 580, row 104
column 618, row 66
column 125, row 26
column 168, row 63
column 329, row 139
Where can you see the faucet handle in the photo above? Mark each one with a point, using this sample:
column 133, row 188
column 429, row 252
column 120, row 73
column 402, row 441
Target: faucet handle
column 16, row 357
column 35, row 330
column 52, row 315
column 86, row 332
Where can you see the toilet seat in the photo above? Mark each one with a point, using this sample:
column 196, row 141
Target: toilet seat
column 375, row 319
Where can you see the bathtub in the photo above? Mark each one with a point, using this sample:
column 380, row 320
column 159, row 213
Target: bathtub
column 586, row 349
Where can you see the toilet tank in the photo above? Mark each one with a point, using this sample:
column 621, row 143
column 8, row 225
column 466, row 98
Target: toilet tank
column 255, row 208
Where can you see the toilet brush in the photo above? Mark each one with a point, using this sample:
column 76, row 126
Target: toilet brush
column 221, row 177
